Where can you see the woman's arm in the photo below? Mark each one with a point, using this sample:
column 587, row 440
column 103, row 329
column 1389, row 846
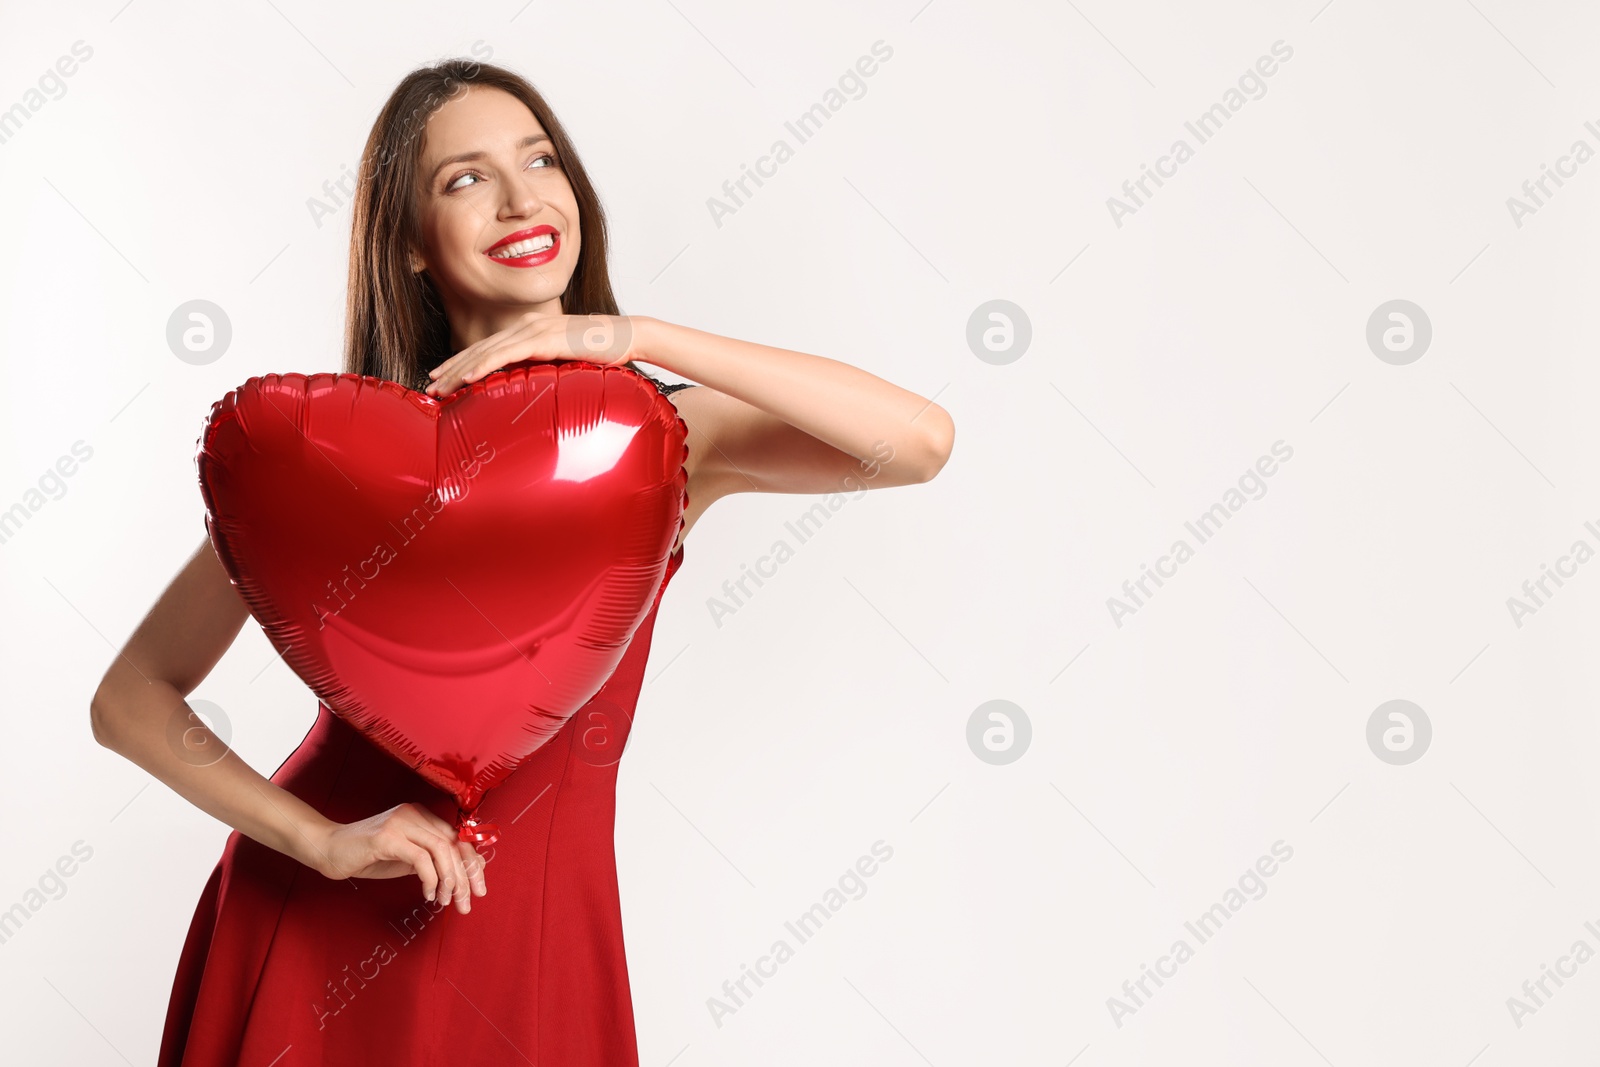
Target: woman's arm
column 768, row 420
column 142, row 694
column 139, row 709
column 776, row 421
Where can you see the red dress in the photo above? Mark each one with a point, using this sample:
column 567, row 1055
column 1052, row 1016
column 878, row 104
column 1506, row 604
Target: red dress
column 285, row 967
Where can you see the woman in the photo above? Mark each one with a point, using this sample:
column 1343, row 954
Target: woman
column 477, row 241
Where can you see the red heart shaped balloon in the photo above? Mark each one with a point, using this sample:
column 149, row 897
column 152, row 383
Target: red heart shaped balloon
column 455, row 577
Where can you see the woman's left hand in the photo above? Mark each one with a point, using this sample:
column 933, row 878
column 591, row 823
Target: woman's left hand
column 609, row 340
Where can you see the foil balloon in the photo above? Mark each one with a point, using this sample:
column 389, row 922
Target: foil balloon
column 454, row 576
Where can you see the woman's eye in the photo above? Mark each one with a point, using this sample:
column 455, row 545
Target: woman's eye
column 549, row 161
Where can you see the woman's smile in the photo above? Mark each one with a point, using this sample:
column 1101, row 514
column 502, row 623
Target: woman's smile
column 526, row 248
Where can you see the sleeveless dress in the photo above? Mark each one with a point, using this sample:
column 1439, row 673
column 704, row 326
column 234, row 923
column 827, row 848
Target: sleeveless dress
column 285, row 967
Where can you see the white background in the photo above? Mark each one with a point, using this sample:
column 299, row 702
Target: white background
column 1168, row 353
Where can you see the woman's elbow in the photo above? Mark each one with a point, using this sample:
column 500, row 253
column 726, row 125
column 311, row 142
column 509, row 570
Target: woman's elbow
column 101, row 717
column 106, row 710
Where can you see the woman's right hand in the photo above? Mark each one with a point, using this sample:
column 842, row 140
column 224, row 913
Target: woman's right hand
column 407, row 839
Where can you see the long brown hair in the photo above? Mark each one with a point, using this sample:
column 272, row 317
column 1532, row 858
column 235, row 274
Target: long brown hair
column 395, row 324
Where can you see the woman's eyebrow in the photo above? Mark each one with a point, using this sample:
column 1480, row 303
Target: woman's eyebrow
column 464, row 157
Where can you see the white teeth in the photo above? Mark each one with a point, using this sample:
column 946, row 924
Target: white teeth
column 524, row 248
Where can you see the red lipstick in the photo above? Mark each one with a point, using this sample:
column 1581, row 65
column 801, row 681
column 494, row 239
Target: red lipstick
column 535, row 259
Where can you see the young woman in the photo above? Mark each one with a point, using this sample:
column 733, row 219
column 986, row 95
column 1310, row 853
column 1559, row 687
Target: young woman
column 477, row 241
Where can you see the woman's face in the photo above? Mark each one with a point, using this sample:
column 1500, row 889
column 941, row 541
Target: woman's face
column 512, row 196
